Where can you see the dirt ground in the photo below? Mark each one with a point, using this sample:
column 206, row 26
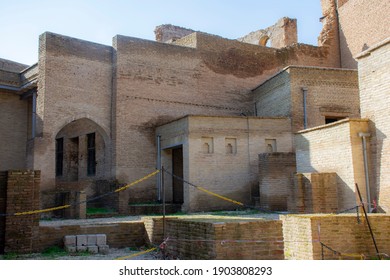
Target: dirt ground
column 114, row 254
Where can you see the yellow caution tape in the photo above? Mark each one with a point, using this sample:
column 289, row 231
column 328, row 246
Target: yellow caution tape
column 220, row 196
column 68, row 205
column 137, row 182
column 41, row 211
column 136, row 254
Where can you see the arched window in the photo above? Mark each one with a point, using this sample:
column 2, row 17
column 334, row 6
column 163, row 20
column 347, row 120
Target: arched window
column 206, row 148
column 229, row 148
column 264, row 40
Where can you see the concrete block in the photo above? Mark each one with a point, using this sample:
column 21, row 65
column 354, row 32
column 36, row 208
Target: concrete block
column 93, row 249
column 81, row 240
column 104, row 249
column 91, row 240
column 70, row 240
column 81, row 248
column 101, row 239
column 70, row 249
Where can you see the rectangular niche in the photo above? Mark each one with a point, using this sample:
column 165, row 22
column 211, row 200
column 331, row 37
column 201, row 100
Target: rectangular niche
column 270, row 145
column 231, row 146
column 207, row 145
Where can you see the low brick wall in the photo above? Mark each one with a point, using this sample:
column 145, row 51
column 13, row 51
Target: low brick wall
column 244, row 239
column 119, row 235
column 342, row 233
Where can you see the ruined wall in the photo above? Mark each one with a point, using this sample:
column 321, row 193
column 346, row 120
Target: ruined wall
column 276, row 180
column 329, row 36
column 168, row 33
column 335, row 148
column 362, row 25
column 13, row 127
column 75, row 82
column 240, row 240
column 374, row 97
column 342, row 233
column 281, row 34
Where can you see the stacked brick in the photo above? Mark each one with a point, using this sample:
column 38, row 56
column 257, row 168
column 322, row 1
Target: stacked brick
column 243, row 239
column 22, row 196
column 92, row 243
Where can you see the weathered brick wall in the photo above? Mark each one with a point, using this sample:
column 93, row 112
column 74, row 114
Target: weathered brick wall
column 297, row 237
column 22, row 195
column 374, row 82
column 75, row 82
column 342, row 233
column 232, row 173
column 13, row 127
column 276, row 179
column 273, row 98
column 248, row 240
column 330, row 93
column 145, row 84
column 119, row 235
column 314, row 193
column 3, row 208
column 358, row 34
column 335, row 148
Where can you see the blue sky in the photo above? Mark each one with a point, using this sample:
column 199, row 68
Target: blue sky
column 22, row 21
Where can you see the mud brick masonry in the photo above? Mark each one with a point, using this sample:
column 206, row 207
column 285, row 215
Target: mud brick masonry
column 19, row 193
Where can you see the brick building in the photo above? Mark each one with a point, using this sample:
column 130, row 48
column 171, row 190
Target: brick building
column 89, row 115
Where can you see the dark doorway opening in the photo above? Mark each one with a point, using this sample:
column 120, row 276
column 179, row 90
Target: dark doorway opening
column 177, row 170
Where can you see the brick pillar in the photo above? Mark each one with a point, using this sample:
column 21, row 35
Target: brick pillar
column 315, row 193
column 22, row 195
column 276, row 179
column 81, row 207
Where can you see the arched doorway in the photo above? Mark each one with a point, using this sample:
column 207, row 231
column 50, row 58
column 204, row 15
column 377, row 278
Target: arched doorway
column 81, row 152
